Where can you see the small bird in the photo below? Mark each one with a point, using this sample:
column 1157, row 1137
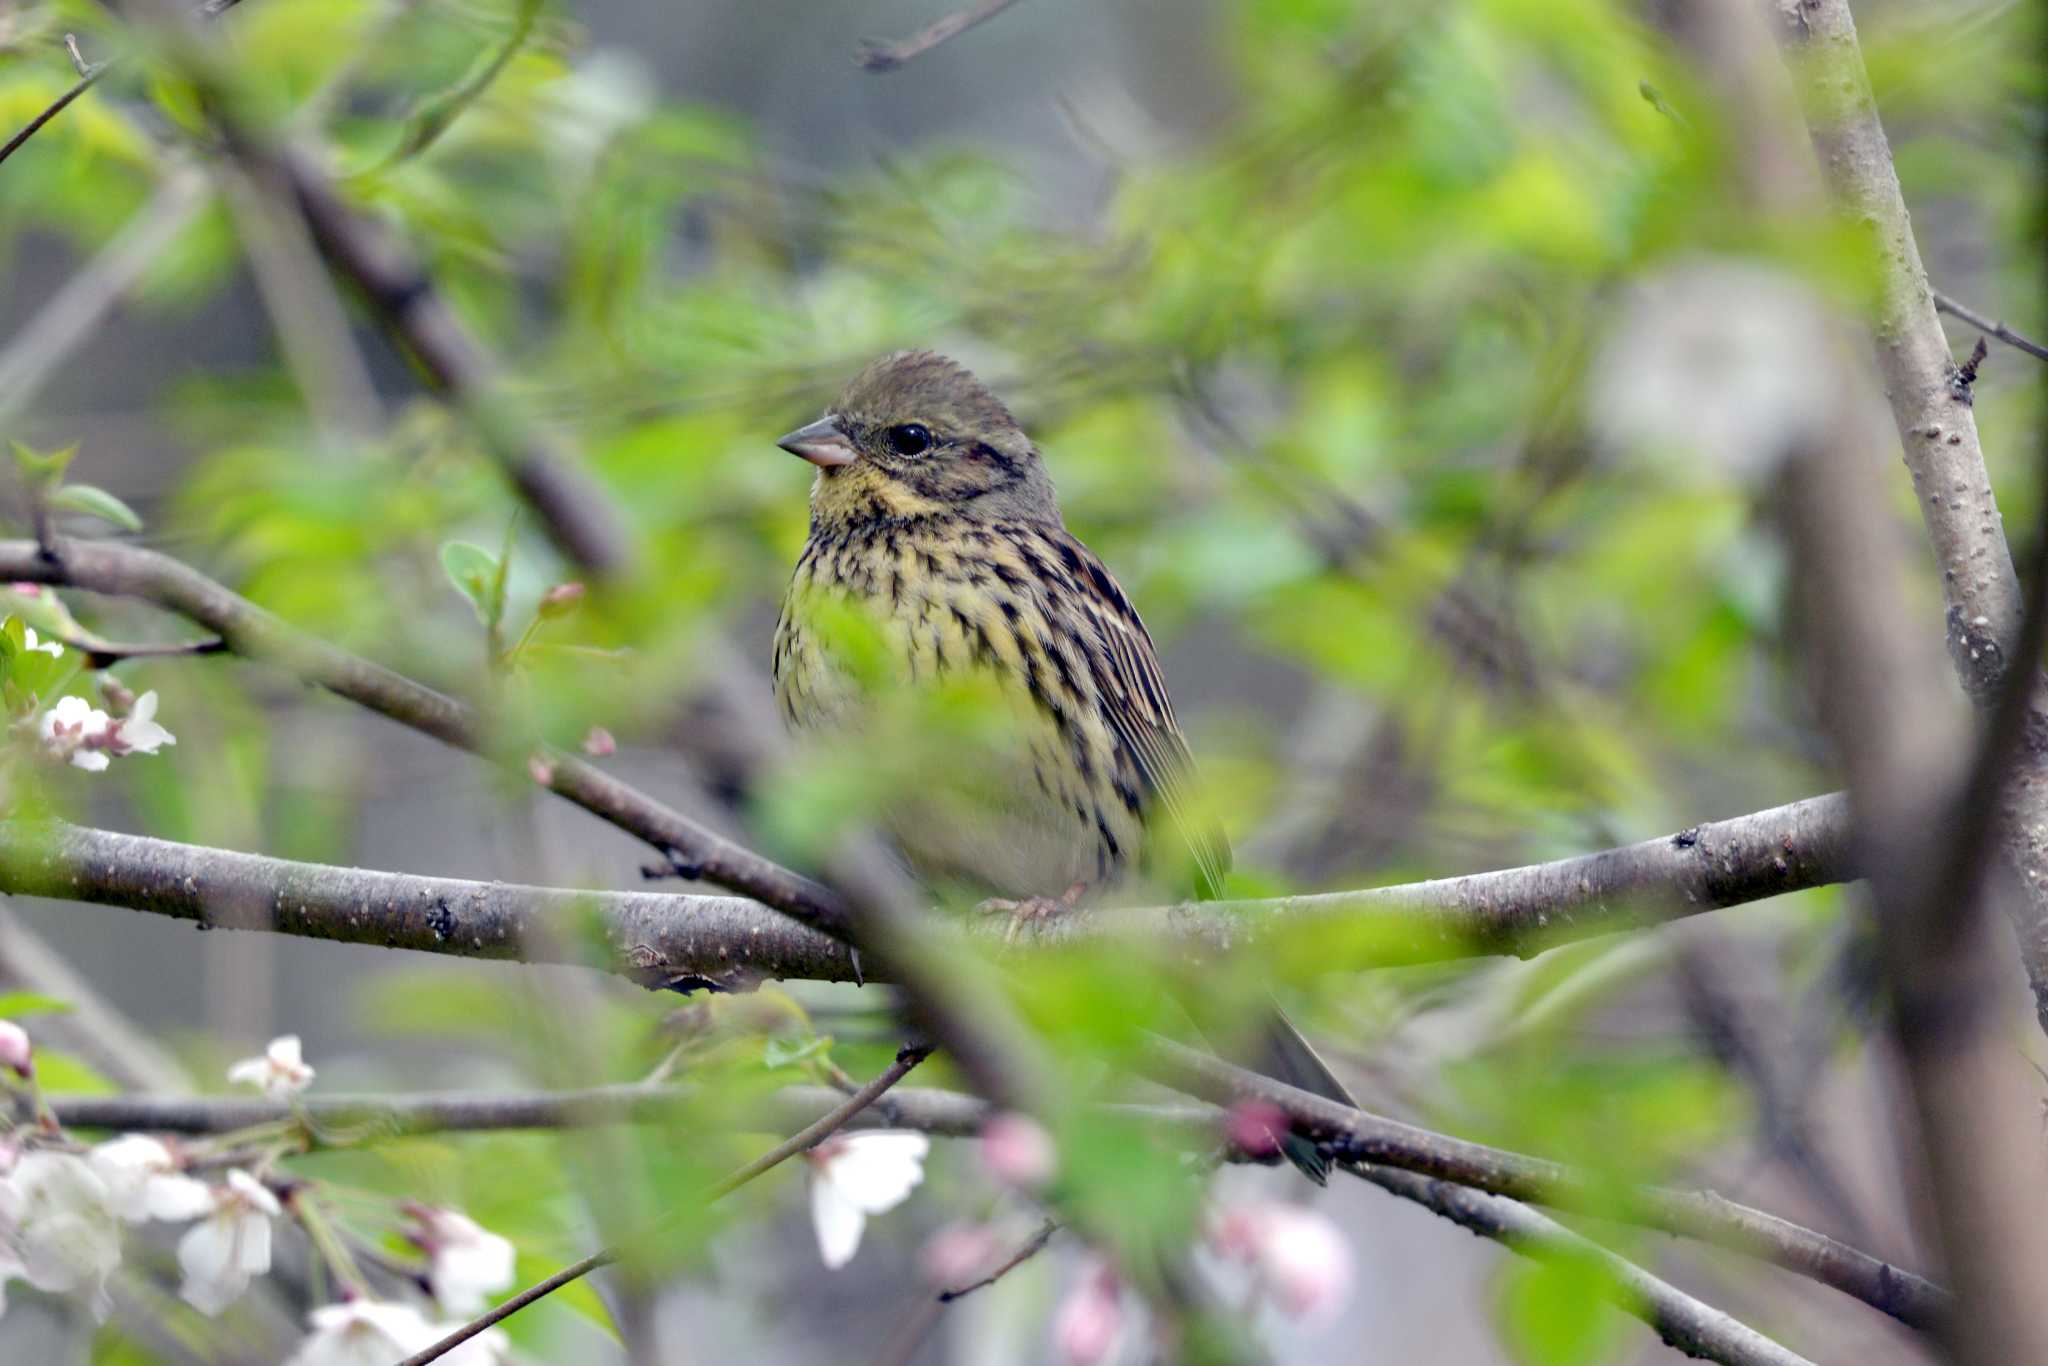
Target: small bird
column 932, row 510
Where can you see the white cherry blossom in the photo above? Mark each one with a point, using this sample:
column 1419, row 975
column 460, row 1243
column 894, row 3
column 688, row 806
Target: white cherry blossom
column 72, row 728
column 856, row 1175
column 52, row 648
column 143, row 1181
column 17, row 1050
column 467, row 1263
column 1296, row 1255
column 282, row 1071
column 379, row 1332
column 58, row 1227
column 138, row 731
column 225, row 1250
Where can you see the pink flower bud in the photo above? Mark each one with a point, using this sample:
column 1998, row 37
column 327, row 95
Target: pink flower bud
column 15, row 1049
column 561, row 599
column 960, row 1254
column 598, row 743
column 1090, row 1320
column 1017, row 1151
column 1255, row 1127
column 540, row 769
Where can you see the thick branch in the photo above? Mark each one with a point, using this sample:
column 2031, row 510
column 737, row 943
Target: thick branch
column 1357, row 1136
column 1692, row 1326
column 727, row 943
column 1932, row 408
column 131, row 571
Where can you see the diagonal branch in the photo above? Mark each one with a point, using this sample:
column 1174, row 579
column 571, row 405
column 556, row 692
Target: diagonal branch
column 1690, row 1325
column 1990, row 327
column 1357, row 1136
column 133, row 572
column 802, row 1141
column 876, row 55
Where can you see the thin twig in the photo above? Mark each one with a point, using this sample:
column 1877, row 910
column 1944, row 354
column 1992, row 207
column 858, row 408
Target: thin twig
column 1031, row 1248
column 102, row 654
column 1356, row 1135
column 1690, row 1325
column 809, row 1137
column 56, row 107
column 425, row 127
column 1989, row 327
column 876, row 55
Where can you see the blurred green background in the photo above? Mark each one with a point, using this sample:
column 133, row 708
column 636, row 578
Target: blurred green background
column 1319, row 311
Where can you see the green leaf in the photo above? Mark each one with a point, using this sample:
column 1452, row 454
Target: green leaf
column 778, row 1053
column 1555, row 1313
column 42, row 467
column 15, row 1004
column 477, row 574
column 96, row 502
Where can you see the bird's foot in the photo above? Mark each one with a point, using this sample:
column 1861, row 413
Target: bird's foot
column 1032, row 911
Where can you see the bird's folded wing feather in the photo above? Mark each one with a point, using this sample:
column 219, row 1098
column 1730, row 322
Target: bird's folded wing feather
column 1141, row 715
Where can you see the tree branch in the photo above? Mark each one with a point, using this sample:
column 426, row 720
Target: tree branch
column 683, row 942
column 876, row 55
column 1988, row 326
column 1932, row 408
column 1369, row 1144
column 131, row 571
column 809, row 1137
column 1692, row 1326
column 1357, row 1136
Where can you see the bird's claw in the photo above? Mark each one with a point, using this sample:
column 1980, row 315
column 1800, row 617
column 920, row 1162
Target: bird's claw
column 1034, row 911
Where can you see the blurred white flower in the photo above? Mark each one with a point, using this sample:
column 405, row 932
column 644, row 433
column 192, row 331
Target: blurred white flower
column 282, row 1071
column 143, row 1181
column 467, row 1263
column 221, row 1253
column 138, row 732
column 72, row 728
column 1296, row 1255
column 17, row 1050
column 1091, row 1319
column 52, row 648
column 856, row 1175
column 1017, row 1151
column 1717, row 362
column 378, row 1332
column 58, row 1227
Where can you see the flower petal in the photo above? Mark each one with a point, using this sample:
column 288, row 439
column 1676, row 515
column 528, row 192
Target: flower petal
column 838, row 1221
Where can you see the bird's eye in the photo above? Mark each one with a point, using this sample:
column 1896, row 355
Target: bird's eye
column 910, row 439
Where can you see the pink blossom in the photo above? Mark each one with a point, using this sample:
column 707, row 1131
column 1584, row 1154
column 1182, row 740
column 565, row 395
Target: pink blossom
column 1255, row 1127
column 1296, row 1255
column 960, row 1254
column 1017, row 1151
column 541, row 769
column 16, row 1049
column 598, row 743
column 1090, row 1320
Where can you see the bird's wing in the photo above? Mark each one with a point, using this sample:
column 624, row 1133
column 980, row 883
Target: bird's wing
column 1138, row 710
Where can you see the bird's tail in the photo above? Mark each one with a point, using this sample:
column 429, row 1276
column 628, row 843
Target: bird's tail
column 1285, row 1055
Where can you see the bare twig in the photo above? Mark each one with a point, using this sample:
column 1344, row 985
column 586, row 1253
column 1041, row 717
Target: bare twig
column 103, row 654
column 57, row 106
column 426, row 125
column 1356, row 1135
column 1031, row 1247
column 1989, row 327
column 1693, row 1327
column 807, row 1138
column 876, row 55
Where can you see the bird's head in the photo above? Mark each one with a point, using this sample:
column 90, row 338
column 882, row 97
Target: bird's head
column 914, row 435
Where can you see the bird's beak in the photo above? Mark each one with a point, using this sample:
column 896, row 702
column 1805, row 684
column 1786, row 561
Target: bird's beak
column 821, row 443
